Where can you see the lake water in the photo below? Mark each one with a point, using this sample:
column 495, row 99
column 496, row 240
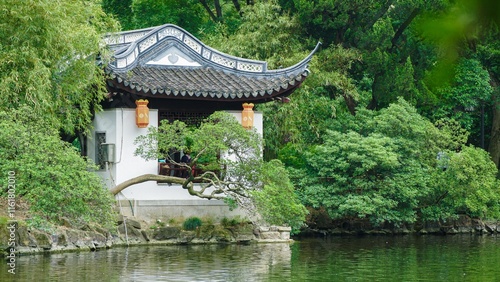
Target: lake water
column 368, row 258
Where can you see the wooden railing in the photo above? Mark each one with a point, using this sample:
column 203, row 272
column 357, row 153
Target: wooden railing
column 172, row 169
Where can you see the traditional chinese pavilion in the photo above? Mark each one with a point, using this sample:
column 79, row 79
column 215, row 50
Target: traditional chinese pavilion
column 182, row 79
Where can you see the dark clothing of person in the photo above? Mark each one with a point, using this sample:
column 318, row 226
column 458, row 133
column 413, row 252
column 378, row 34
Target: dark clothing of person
column 186, row 159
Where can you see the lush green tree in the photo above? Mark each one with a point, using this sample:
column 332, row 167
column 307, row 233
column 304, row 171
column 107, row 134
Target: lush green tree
column 186, row 14
column 276, row 41
column 231, row 163
column 367, row 60
column 489, row 54
column 218, row 11
column 468, row 30
column 196, row 16
column 382, row 32
column 276, row 201
column 383, row 165
column 463, row 98
column 50, row 174
column 48, row 59
column 122, row 10
column 466, row 184
column 51, row 85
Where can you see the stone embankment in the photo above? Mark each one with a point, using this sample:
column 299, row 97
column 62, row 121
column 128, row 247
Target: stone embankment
column 462, row 225
column 133, row 232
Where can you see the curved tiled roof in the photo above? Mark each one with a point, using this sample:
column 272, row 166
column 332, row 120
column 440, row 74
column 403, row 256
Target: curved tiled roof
column 207, row 74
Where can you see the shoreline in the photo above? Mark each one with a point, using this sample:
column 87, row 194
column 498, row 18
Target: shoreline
column 87, row 238
column 68, row 238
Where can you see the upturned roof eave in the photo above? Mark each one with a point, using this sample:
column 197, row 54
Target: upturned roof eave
column 302, row 65
column 134, row 48
column 288, row 71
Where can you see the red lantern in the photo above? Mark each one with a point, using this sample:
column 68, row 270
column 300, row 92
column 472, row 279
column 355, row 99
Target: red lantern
column 142, row 113
column 247, row 115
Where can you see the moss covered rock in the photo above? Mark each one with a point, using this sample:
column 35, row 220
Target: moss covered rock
column 165, row 233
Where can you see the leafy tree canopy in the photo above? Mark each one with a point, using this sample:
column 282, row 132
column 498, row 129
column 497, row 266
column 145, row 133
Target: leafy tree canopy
column 189, row 15
column 51, row 83
column 231, row 163
column 48, row 56
column 385, row 166
column 277, row 201
column 50, row 174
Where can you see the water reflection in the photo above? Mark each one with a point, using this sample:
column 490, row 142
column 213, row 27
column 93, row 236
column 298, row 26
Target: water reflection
column 159, row 263
column 205, row 263
column 399, row 258
column 371, row 258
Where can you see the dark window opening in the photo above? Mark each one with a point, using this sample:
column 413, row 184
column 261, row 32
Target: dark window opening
column 190, row 118
column 100, row 158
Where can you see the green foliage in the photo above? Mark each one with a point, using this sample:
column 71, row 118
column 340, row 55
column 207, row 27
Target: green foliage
column 192, row 223
column 462, row 98
column 121, row 9
column 190, row 15
column 48, row 59
column 50, row 174
column 308, row 116
column 383, row 166
column 231, row 222
column 471, row 84
column 186, row 14
column 457, row 135
column 219, row 134
column 356, row 178
column 275, row 41
column 231, row 203
column 271, row 199
column 469, row 184
column 465, row 68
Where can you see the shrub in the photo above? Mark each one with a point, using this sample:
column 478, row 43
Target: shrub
column 226, row 222
column 278, row 190
column 50, row 175
column 191, row 223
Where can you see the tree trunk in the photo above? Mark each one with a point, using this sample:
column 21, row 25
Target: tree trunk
column 403, row 27
column 147, row 177
column 351, row 104
column 209, row 11
column 381, row 12
column 237, row 6
column 218, row 10
column 374, row 101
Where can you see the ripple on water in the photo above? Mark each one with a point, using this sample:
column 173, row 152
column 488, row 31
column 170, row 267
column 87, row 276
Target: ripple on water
column 369, row 258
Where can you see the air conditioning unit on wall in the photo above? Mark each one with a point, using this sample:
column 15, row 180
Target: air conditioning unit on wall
column 108, row 152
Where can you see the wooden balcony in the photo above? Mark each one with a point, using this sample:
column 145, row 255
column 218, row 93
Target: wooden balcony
column 172, row 169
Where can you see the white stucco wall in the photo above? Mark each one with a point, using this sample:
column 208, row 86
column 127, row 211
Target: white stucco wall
column 119, row 125
column 258, row 120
